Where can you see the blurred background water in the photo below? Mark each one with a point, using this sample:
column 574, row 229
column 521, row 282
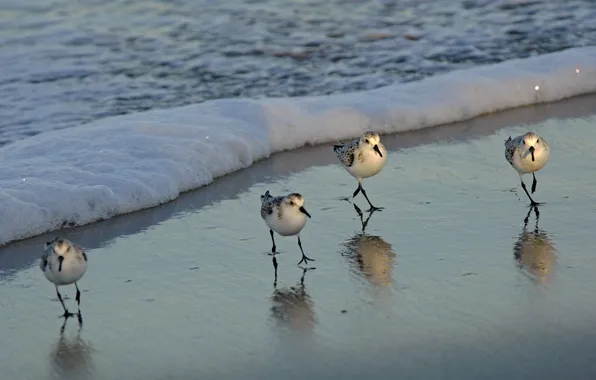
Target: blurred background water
column 66, row 62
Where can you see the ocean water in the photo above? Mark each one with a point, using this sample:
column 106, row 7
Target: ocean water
column 453, row 280
column 126, row 163
column 447, row 282
column 65, row 62
column 389, row 66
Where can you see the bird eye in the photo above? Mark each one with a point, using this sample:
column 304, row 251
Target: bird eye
column 291, row 203
column 366, row 141
column 538, row 141
column 524, row 142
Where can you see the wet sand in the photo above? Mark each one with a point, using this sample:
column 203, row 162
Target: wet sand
column 447, row 282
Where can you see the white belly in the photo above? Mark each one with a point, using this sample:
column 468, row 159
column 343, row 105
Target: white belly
column 72, row 271
column 370, row 166
column 288, row 225
column 525, row 165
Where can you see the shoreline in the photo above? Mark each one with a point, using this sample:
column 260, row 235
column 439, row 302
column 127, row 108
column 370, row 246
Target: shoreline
column 20, row 254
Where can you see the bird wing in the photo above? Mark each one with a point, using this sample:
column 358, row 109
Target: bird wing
column 269, row 205
column 43, row 264
column 346, row 152
column 510, row 146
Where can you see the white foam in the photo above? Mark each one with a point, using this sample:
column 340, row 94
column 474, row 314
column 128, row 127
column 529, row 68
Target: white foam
column 127, row 163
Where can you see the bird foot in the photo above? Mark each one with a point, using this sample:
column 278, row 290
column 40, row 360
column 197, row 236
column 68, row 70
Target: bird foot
column 305, row 259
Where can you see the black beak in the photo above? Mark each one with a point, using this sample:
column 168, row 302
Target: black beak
column 376, row 148
column 303, row 210
column 532, row 152
column 60, row 260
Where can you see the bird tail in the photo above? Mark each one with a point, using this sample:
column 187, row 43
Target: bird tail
column 337, row 147
column 508, row 140
column 265, row 196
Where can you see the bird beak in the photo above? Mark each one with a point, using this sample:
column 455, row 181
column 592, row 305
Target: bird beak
column 303, row 210
column 532, row 152
column 60, row 260
column 376, row 148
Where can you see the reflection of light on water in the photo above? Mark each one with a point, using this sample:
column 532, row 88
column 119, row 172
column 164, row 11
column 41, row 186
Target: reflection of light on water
column 293, row 308
column 372, row 257
column 535, row 253
column 71, row 357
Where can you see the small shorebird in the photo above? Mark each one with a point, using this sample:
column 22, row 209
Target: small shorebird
column 363, row 158
column 64, row 263
column 527, row 154
column 285, row 215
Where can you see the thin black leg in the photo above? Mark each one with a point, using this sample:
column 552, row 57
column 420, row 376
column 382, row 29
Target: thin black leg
column 534, row 183
column 528, row 194
column 273, row 240
column 372, row 208
column 304, row 257
column 357, row 190
column 78, row 297
column 66, row 312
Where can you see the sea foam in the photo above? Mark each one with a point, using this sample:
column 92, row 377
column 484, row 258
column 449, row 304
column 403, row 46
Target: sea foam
column 126, row 163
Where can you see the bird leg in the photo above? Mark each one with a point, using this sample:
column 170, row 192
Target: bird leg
column 528, row 194
column 304, row 257
column 372, row 208
column 357, row 190
column 534, row 183
column 273, row 240
column 78, row 297
column 67, row 313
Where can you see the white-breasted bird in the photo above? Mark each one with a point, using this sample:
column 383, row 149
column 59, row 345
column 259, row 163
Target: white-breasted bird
column 285, row 215
column 64, row 263
column 363, row 158
column 527, row 154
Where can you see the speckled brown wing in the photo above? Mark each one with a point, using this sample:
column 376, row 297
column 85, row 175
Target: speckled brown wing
column 269, row 205
column 346, row 152
column 510, row 146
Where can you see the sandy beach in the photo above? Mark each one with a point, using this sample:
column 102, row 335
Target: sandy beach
column 447, row 282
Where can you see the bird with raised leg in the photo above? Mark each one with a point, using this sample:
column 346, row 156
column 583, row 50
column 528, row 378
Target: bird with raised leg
column 64, row 263
column 527, row 154
column 286, row 216
column 363, row 158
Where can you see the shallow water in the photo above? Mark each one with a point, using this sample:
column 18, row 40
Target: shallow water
column 445, row 283
column 66, row 62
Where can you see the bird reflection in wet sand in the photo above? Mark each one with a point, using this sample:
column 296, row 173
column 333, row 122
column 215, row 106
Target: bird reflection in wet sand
column 293, row 307
column 71, row 356
column 361, row 216
column 534, row 251
column 372, row 257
